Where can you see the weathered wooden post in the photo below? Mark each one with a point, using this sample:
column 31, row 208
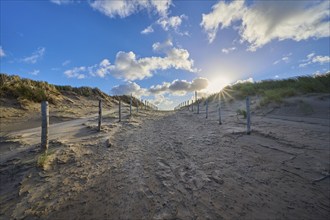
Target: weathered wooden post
column 119, row 110
column 100, row 115
column 145, row 104
column 248, row 119
column 197, row 106
column 207, row 108
column 188, row 104
column 192, row 105
column 130, row 106
column 44, row 126
column 137, row 106
column 220, row 122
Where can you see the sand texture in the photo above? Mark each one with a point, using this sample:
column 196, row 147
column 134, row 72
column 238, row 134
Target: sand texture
column 175, row 165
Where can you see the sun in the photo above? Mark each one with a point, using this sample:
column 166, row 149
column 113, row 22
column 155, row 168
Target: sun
column 216, row 84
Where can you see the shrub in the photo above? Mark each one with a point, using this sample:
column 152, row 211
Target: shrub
column 241, row 112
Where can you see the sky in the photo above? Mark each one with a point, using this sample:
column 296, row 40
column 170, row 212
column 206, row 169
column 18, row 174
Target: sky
column 163, row 50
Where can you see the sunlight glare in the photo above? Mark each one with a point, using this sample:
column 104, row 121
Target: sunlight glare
column 216, row 84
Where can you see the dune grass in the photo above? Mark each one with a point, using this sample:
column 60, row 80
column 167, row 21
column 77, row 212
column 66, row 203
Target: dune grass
column 12, row 86
column 277, row 90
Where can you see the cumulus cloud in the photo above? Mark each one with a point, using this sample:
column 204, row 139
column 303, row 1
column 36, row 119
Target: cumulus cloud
column 250, row 80
column 77, row 72
column 167, row 23
column 222, row 15
column 129, row 88
column 228, row 50
column 126, row 8
column 311, row 58
column 265, row 21
column 2, row 52
column 128, row 67
column 161, row 100
column 180, row 87
column 171, row 22
column 37, row 55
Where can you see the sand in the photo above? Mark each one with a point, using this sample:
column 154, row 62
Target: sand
column 175, row 165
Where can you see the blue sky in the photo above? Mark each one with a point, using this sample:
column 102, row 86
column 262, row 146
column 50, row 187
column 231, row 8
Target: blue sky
column 163, row 50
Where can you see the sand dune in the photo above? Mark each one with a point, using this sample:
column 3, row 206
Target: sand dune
column 175, row 165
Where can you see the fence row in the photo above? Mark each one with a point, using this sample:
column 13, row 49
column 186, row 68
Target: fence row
column 195, row 106
column 45, row 117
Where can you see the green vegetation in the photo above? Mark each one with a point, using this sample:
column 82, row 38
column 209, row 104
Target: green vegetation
column 241, row 112
column 25, row 90
column 14, row 86
column 276, row 90
column 42, row 160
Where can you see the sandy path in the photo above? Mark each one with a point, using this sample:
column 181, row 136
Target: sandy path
column 179, row 165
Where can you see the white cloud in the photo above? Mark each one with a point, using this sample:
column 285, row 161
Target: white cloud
column 222, row 15
column 2, row 52
column 285, row 59
column 126, row 8
column 180, row 87
column 250, row 80
column 129, row 88
column 128, row 67
column 173, row 22
column 161, row 100
column 228, row 50
column 34, row 72
column 321, row 59
column 77, row 72
column 66, row 62
column 160, row 47
column 61, row 2
column 168, row 23
column 37, row 55
column 265, row 21
column 311, row 58
column 147, row 30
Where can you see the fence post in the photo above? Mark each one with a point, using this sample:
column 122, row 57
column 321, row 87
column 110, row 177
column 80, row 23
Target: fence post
column 145, row 104
column 100, row 115
column 220, row 122
column 192, row 105
column 137, row 106
column 188, row 104
column 197, row 106
column 207, row 108
column 130, row 106
column 119, row 110
column 44, row 126
column 248, row 119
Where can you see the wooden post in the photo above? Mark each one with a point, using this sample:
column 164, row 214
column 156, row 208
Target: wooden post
column 197, row 106
column 100, row 115
column 188, row 104
column 220, row 122
column 137, row 106
column 130, row 106
column 145, row 104
column 119, row 110
column 248, row 119
column 44, row 126
column 207, row 108
column 192, row 105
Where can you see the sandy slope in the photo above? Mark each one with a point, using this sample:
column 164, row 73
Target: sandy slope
column 165, row 165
